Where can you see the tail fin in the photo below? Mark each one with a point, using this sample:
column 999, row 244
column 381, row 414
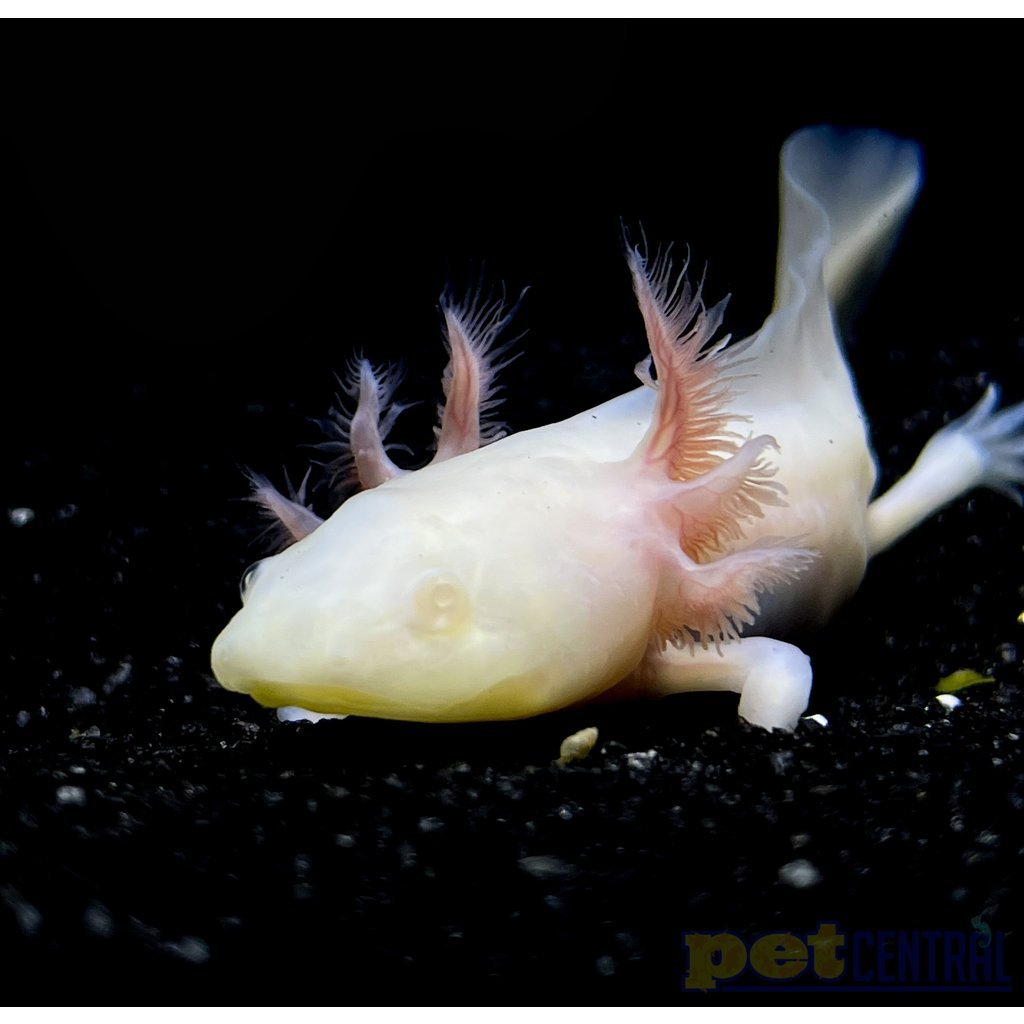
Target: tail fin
column 844, row 197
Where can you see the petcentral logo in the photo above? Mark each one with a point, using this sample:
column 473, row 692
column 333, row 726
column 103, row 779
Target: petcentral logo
column 861, row 961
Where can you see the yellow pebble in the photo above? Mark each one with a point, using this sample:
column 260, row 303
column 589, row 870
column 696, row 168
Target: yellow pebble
column 578, row 745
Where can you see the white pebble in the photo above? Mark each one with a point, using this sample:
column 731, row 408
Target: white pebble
column 97, row 920
column 800, row 874
column 120, row 675
column 641, row 760
column 546, row 867
column 71, row 796
column 190, row 948
column 20, row 516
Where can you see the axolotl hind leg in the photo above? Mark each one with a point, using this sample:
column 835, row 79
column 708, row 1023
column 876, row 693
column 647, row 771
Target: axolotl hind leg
column 984, row 448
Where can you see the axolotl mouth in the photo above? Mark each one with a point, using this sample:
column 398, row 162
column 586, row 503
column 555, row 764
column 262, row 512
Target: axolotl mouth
column 518, row 696
column 326, row 700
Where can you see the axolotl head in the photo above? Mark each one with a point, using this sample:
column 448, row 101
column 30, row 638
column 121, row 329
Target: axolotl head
column 407, row 604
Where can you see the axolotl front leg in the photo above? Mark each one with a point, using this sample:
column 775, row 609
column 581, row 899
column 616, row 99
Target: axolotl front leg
column 772, row 677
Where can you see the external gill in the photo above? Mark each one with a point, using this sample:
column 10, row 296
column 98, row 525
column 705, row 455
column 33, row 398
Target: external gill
column 713, row 602
column 471, row 332
column 712, row 482
column 356, row 438
column 689, row 429
column 712, row 507
column 290, row 518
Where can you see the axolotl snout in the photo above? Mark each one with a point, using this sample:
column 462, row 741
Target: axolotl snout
column 661, row 542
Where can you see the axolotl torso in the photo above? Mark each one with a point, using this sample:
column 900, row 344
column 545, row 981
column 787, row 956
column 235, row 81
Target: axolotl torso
column 661, row 542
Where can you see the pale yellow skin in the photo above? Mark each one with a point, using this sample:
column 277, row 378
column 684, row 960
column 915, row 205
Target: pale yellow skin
column 527, row 575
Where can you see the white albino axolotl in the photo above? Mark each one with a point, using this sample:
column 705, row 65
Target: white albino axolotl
column 623, row 551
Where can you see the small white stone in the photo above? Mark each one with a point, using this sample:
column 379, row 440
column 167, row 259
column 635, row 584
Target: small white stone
column 820, row 719
column 800, row 874
column 20, row 516
column 71, row 796
column 121, row 674
column 190, row 948
column 948, row 701
column 97, row 920
column 641, row 760
column 546, row 867
column 1008, row 652
column 29, row 919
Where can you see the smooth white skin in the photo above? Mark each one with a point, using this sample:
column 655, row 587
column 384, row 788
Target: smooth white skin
column 522, row 577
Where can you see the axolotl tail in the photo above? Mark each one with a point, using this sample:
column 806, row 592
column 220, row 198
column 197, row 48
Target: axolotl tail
column 844, row 196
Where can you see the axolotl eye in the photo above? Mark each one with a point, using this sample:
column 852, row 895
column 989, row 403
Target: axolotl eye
column 442, row 604
column 249, row 577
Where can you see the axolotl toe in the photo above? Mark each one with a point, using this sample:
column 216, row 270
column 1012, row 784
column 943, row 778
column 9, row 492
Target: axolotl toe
column 661, row 542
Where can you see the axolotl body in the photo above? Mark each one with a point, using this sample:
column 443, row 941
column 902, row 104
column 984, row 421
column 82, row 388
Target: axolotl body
column 664, row 541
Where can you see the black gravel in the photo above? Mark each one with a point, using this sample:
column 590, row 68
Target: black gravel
column 185, row 283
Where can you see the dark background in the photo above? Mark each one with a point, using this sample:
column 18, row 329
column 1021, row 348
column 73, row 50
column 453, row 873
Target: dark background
column 196, row 243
